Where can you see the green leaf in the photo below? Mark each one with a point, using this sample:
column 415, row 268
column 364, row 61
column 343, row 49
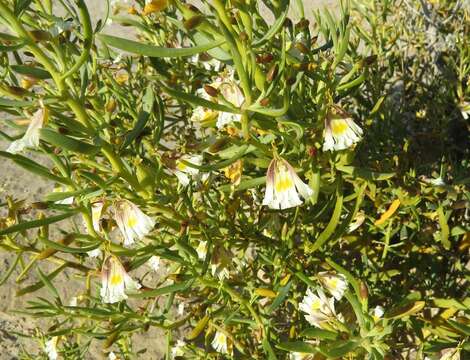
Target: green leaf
column 405, row 310
column 330, row 228
column 283, row 292
column 36, row 223
column 245, row 184
column 21, row 5
column 318, row 333
column 48, row 283
column 163, row 290
column 364, row 173
column 297, row 346
column 155, row 51
column 14, row 103
column 268, row 349
column 273, row 30
column 196, row 100
column 462, row 328
column 338, row 348
column 68, row 143
column 40, row 284
column 66, row 249
column 444, row 228
column 31, row 71
column 144, row 116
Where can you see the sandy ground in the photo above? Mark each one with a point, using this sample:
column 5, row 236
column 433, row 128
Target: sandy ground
column 22, row 185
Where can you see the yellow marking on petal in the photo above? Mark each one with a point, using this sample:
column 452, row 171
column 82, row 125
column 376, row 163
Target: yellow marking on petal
column 338, row 126
column 181, row 166
column 387, row 214
column 132, row 221
column 283, row 184
column 116, row 279
column 333, row 283
column 316, row 305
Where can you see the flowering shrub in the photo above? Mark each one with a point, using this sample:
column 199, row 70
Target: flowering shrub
column 253, row 189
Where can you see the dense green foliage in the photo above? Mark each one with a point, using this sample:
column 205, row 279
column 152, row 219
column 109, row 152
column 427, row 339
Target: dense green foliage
column 182, row 152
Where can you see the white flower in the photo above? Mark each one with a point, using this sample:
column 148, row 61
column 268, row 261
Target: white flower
column 180, row 309
column 132, row 222
column 220, row 271
column 207, row 63
column 283, row 186
column 112, row 356
column 450, row 354
column 318, row 308
column 220, row 343
column 336, row 284
column 293, row 50
column 115, row 281
column 357, row 222
column 178, row 350
column 31, row 137
column 378, row 312
column 341, row 132
column 184, row 172
column 228, row 88
column 73, row 301
column 96, row 210
column 94, row 253
column 202, row 250
column 464, row 108
column 51, row 348
column 154, row 262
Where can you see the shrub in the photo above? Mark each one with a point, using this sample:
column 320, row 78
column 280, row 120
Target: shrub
column 254, row 190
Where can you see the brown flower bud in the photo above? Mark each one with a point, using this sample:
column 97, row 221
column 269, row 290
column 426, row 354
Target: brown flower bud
column 132, row 10
column 39, row 205
column 301, row 47
column 302, row 24
column 264, row 102
column 211, row 91
column 40, row 35
column 272, row 73
column 243, row 36
column 193, row 22
column 17, row 91
column 111, row 105
column 363, row 290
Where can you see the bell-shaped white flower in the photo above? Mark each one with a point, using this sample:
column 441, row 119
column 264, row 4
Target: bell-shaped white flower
column 115, row 281
column 336, row 284
column 51, row 348
column 450, row 354
column 318, row 308
column 132, row 222
column 219, row 343
column 31, row 137
column 183, row 172
column 230, row 91
column 283, row 186
column 341, row 132
column 202, row 250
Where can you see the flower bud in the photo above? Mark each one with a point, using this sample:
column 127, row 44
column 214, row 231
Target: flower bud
column 364, row 292
column 17, row 91
column 243, row 36
column 110, row 106
column 264, row 102
column 40, row 35
column 193, row 22
column 272, row 73
column 154, row 6
column 39, row 205
column 132, row 10
column 28, row 82
column 301, row 47
column 211, row 91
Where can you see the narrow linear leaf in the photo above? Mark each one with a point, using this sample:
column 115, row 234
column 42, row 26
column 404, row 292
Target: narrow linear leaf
column 155, row 51
column 36, row 223
column 163, row 290
column 68, row 143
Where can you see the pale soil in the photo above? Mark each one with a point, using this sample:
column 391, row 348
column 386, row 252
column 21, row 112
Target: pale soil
column 22, row 185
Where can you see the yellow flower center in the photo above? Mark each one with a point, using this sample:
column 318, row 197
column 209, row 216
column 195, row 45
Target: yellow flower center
column 332, row 283
column 283, row 181
column 116, row 279
column 180, row 166
column 338, row 126
column 131, row 221
column 316, row 305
